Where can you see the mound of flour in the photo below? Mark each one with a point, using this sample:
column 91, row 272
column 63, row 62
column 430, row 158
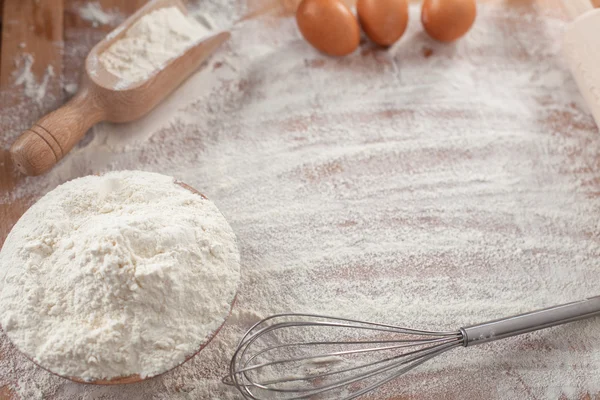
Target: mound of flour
column 150, row 43
column 120, row 274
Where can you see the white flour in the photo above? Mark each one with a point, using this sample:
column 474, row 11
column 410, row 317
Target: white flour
column 70, row 88
column 93, row 12
column 126, row 273
column 150, row 43
column 429, row 185
column 33, row 89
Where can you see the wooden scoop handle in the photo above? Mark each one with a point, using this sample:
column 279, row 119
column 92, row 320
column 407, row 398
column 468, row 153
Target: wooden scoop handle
column 44, row 144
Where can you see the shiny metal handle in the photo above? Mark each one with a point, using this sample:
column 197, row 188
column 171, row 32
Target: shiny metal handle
column 529, row 322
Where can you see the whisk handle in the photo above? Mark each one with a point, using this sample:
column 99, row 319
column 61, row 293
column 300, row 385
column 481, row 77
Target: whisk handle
column 531, row 321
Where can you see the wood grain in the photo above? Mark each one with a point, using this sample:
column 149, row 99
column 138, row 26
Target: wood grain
column 6, row 393
column 1, row 12
column 35, row 27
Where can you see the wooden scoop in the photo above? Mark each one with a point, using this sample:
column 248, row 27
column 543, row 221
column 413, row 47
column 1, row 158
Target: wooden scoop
column 100, row 99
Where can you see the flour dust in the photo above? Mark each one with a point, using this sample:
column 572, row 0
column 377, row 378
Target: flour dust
column 428, row 186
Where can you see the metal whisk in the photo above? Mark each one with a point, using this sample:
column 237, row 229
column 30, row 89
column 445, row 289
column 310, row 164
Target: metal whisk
column 301, row 356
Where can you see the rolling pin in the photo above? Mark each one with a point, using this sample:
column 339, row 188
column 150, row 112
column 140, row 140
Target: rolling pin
column 581, row 46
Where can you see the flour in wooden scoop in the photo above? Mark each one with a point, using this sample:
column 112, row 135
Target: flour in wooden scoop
column 114, row 275
column 150, row 43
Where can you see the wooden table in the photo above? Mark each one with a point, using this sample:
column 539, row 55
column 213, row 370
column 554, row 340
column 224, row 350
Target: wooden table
column 35, row 26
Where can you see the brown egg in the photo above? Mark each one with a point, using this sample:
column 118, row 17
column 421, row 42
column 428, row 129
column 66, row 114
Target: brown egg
column 384, row 21
column 329, row 26
column 447, row 20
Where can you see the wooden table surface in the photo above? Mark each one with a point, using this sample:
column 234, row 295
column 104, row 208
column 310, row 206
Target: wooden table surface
column 35, row 26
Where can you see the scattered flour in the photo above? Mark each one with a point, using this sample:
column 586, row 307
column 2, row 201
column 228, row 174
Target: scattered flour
column 429, row 186
column 70, row 88
column 204, row 19
column 109, row 276
column 24, row 76
column 93, row 12
column 150, row 43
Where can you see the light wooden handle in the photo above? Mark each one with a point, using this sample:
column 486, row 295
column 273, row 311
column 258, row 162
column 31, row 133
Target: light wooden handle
column 44, row 144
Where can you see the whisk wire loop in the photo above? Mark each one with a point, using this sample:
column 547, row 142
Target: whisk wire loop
column 392, row 352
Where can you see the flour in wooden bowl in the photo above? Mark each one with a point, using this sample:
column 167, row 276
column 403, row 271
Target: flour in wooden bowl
column 116, row 275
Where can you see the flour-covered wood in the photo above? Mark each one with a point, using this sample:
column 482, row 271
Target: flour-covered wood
column 426, row 185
